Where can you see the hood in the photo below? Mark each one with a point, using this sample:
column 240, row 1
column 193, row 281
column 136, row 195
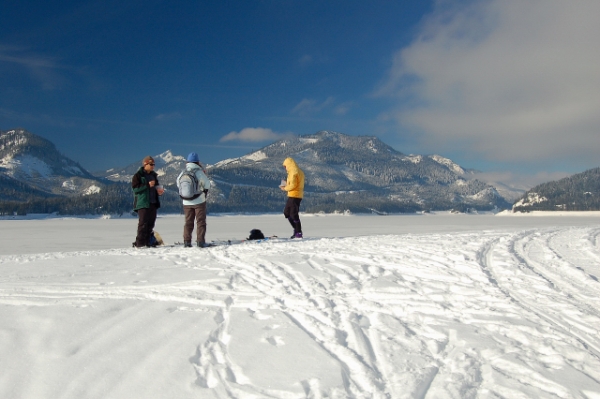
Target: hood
column 191, row 166
column 289, row 163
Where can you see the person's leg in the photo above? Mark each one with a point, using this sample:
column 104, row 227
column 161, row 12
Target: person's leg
column 291, row 212
column 188, row 226
column 141, row 238
column 151, row 221
column 287, row 211
column 295, row 217
column 201, row 223
column 292, row 223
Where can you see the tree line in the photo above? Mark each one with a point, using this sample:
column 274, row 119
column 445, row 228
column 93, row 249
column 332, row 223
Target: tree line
column 117, row 198
column 580, row 192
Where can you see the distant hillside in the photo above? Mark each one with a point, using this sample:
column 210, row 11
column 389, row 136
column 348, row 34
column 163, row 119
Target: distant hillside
column 168, row 167
column 32, row 168
column 36, row 178
column 14, row 190
column 580, row 192
column 360, row 174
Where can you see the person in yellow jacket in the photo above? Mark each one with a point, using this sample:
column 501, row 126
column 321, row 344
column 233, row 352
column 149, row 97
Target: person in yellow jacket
column 295, row 191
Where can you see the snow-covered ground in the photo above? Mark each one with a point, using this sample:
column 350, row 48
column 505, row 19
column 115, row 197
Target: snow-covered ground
column 423, row 306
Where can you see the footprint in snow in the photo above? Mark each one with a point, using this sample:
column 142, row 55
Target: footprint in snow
column 275, row 340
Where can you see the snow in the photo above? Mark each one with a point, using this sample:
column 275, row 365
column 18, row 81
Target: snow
column 30, row 165
column 532, row 198
column 16, row 140
column 414, row 158
column 168, row 157
column 448, row 163
column 69, row 185
column 118, row 177
column 371, row 145
column 93, row 189
column 485, row 193
column 308, row 140
column 256, row 156
column 406, row 306
column 229, row 161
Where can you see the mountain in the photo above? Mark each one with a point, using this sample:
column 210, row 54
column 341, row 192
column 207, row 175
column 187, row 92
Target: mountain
column 360, row 174
column 32, row 167
column 168, row 167
column 579, row 192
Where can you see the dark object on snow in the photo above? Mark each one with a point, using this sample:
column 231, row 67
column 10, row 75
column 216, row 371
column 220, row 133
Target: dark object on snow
column 256, row 234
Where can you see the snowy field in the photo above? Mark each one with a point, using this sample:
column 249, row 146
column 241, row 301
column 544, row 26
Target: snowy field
column 424, row 306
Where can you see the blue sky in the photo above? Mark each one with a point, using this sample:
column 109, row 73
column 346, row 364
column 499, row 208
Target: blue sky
column 504, row 86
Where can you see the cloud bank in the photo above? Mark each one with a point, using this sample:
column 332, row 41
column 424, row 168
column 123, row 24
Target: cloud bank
column 512, row 81
column 253, row 134
column 44, row 70
column 308, row 107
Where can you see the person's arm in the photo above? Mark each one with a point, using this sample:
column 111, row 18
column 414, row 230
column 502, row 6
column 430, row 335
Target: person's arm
column 292, row 182
column 204, row 181
column 138, row 184
column 159, row 189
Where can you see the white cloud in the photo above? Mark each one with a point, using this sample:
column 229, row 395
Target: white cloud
column 254, row 134
column 310, row 106
column 344, row 108
column 41, row 68
column 168, row 116
column 519, row 181
column 507, row 79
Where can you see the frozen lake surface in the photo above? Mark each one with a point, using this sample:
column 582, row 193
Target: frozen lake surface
column 41, row 233
column 421, row 306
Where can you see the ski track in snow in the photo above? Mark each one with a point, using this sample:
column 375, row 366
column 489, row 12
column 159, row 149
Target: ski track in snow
column 469, row 315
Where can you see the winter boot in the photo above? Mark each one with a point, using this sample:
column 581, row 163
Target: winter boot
column 297, row 228
column 187, row 244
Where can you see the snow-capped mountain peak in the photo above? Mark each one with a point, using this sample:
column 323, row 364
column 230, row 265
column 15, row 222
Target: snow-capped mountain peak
column 168, row 157
column 448, row 163
column 35, row 161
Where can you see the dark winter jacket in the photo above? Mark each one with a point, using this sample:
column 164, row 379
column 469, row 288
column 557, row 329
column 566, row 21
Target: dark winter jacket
column 141, row 189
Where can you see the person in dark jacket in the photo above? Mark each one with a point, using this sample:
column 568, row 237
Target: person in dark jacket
column 146, row 192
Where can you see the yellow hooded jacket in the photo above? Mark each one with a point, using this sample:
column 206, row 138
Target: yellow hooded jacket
column 295, row 179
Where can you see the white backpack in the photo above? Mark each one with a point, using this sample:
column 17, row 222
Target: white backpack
column 188, row 185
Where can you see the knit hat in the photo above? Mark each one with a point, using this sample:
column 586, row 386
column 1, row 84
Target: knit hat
column 193, row 157
column 147, row 160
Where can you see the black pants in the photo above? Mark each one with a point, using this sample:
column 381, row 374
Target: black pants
column 146, row 221
column 291, row 212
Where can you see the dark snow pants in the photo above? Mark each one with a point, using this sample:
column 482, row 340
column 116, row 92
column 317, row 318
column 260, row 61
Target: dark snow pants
column 291, row 212
column 146, row 221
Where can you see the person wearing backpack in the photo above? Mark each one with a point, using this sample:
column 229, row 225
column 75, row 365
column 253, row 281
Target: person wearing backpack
column 295, row 190
column 193, row 187
column 146, row 193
